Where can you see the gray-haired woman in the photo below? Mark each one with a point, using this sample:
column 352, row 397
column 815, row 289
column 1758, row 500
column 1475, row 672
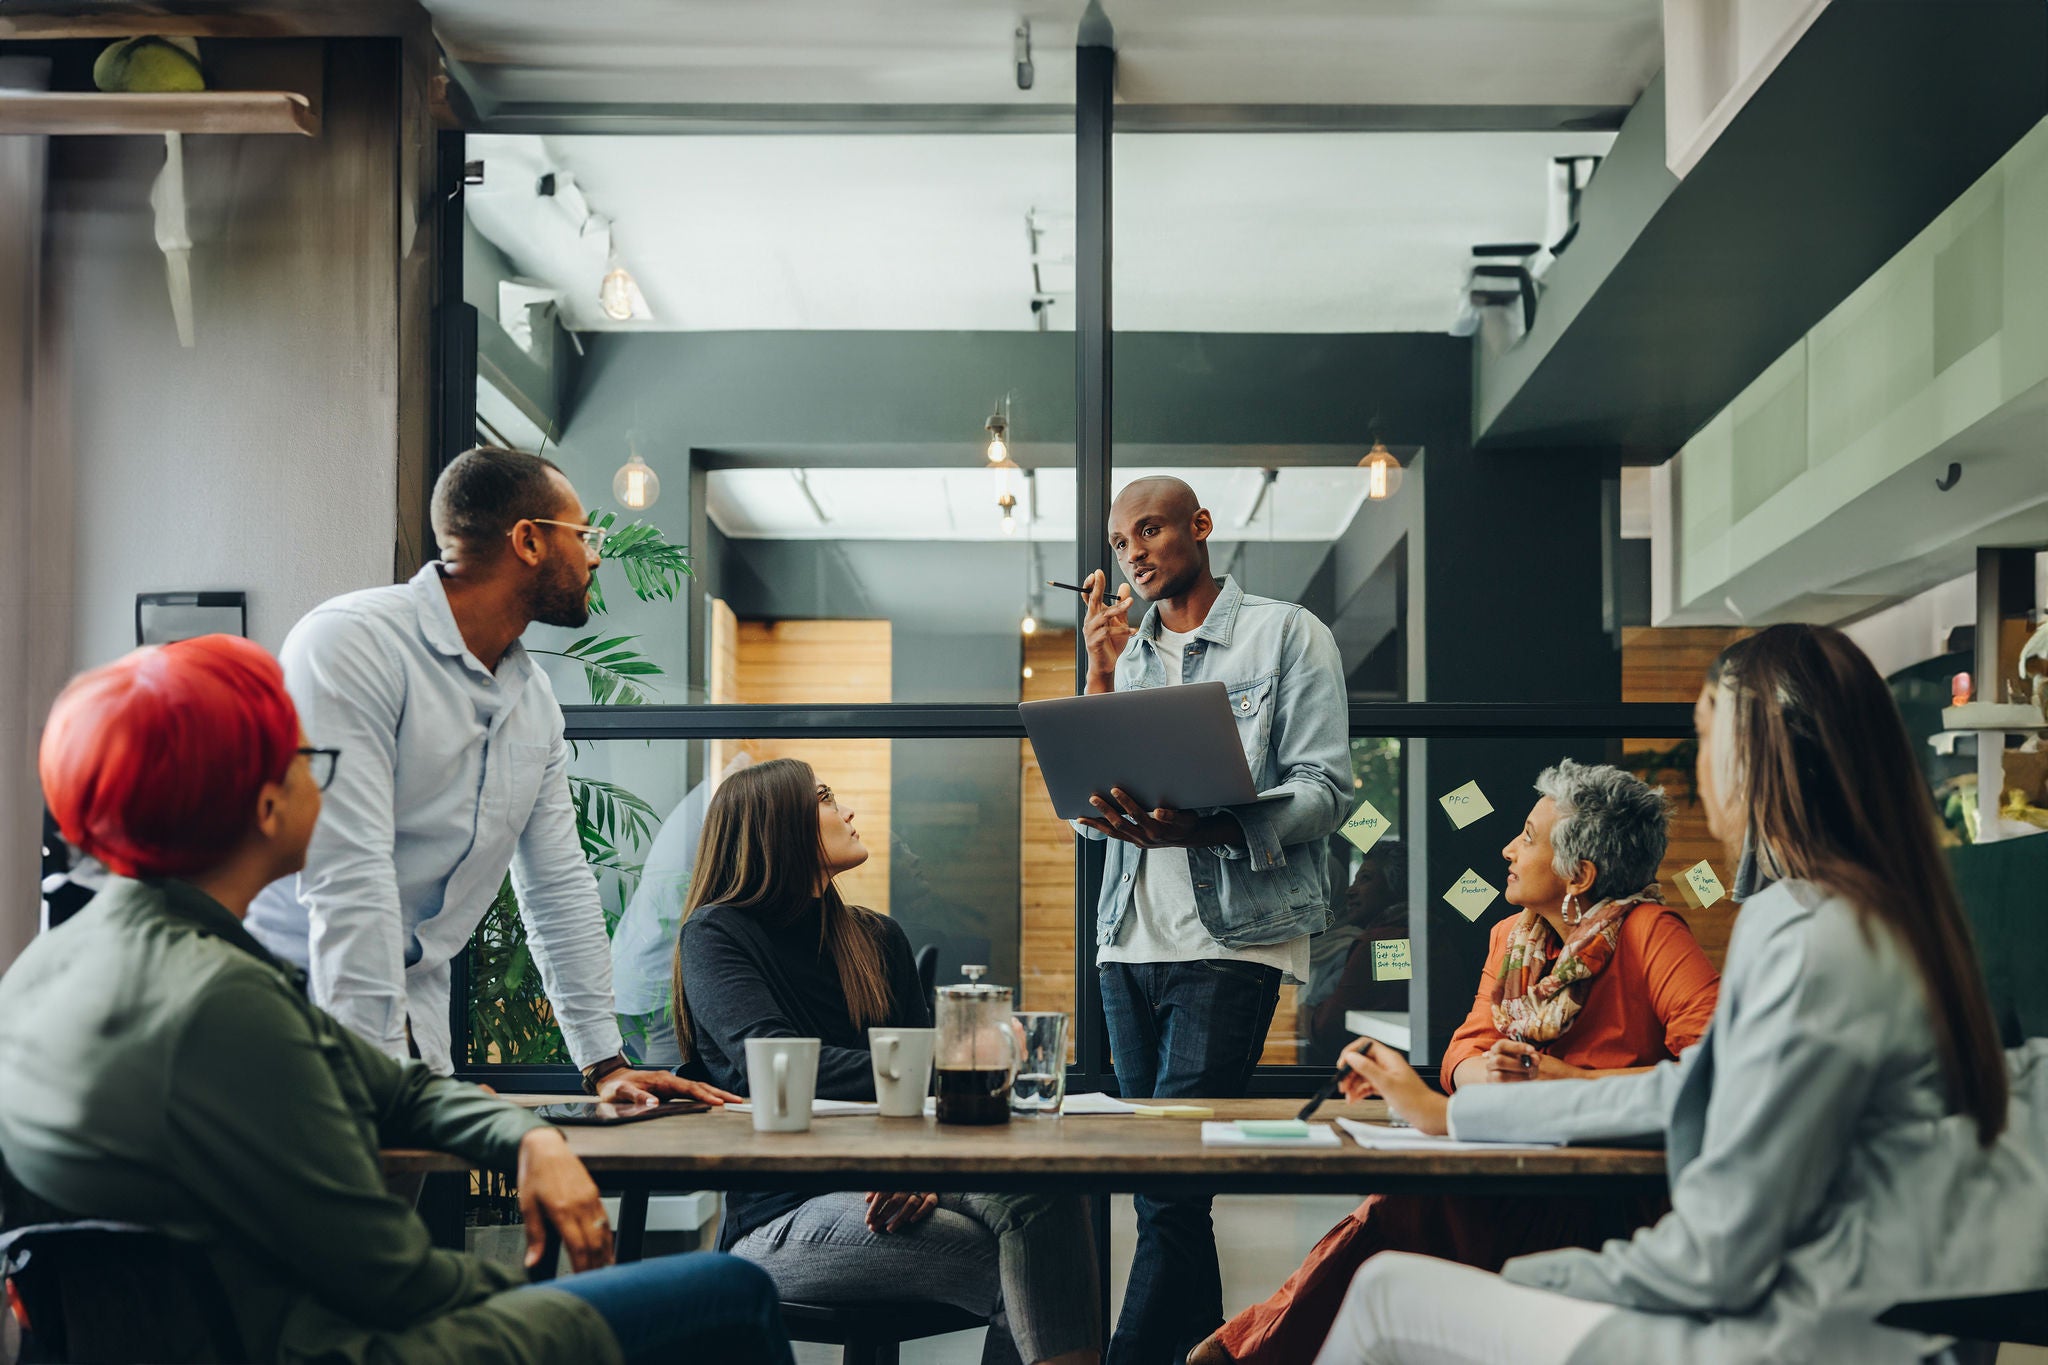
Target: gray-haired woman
column 1595, row 977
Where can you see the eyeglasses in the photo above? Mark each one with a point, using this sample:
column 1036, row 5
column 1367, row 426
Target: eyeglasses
column 321, row 763
column 593, row 536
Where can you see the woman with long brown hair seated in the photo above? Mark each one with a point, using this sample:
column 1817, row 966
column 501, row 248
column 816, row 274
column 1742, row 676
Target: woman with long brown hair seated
column 768, row 949
column 158, row 1067
column 1595, row 977
column 1845, row 1138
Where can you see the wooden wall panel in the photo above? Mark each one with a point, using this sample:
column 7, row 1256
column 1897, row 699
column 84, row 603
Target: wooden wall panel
column 1667, row 665
column 1046, row 861
column 764, row 663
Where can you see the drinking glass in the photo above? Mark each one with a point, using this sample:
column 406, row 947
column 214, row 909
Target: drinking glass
column 1042, row 1076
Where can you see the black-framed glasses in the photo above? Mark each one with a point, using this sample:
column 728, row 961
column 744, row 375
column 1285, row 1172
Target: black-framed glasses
column 321, row 763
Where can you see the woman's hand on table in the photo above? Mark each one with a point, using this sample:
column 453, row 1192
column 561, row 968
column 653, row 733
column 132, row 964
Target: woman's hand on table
column 892, row 1212
column 628, row 1086
column 1508, row 1060
column 555, row 1191
column 1379, row 1070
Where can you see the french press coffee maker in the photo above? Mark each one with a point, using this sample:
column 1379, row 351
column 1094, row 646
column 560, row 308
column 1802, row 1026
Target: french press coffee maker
column 978, row 1051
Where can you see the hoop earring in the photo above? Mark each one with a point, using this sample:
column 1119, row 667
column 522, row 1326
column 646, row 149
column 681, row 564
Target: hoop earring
column 1571, row 913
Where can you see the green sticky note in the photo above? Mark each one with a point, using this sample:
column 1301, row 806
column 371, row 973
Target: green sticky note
column 1466, row 804
column 1700, row 887
column 1390, row 960
column 1365, row 827
column 1273, row 1128
column 1471, row 894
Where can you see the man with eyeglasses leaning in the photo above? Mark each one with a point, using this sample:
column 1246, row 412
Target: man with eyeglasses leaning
column 456, row 771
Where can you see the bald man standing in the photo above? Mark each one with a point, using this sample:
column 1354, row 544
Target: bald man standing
column 1202, row 912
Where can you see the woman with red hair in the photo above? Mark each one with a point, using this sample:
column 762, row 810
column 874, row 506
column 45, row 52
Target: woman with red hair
column 161, row 1068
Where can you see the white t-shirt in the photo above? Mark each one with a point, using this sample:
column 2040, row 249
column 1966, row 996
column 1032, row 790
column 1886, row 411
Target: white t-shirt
column 1162, row 924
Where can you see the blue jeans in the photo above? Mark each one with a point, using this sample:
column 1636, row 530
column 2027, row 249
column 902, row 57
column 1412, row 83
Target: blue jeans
column 702, row 1306
column 1180, row 1030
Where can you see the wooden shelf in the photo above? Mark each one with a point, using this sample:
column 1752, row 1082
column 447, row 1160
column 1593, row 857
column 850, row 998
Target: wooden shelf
column 207, row 111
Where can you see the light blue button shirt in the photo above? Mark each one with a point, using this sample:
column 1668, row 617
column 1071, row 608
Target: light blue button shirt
column 450, row 774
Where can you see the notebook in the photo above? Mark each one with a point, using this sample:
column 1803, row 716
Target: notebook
column 1247, row 1134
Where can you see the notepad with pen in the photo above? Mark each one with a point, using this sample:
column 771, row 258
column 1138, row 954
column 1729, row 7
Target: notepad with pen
column 1269, row 1133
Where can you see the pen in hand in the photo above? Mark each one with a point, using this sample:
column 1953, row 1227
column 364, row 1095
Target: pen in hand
column 1315, row 1101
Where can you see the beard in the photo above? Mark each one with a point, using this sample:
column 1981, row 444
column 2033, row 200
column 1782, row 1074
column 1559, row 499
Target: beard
column 561, row 599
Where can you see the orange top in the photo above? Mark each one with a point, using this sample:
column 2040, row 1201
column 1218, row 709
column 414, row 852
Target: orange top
column 1652, row 1002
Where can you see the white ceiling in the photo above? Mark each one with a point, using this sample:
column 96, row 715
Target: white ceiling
column 1347, row 52
column 1329, row 232
column 1313, row 503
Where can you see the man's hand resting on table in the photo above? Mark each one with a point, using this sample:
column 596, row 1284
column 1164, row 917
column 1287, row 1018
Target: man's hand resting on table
column 1377, row 1069
column 627, row 1086
column 894, row 1212
column 1159, row 828
column 555, row 1191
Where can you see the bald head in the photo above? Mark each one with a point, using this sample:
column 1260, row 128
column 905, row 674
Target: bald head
column 1159, row 531
column 1159, row 493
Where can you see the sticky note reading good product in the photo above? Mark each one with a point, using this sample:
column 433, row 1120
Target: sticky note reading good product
column 1471, row 894
column 1390, row 960
column 1365, row 827
column 1466, row 804
column 1700, row 887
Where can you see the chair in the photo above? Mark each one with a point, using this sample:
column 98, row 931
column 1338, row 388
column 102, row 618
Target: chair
column 871, row 1333
column 108, row 1292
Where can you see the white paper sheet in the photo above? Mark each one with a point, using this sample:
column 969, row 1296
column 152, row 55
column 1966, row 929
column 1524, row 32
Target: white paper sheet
column 1230, row 1135
column 1381, row 1137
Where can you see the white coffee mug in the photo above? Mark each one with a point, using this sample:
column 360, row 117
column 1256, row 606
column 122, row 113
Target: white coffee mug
column 782, row 1077
column 902, row 1059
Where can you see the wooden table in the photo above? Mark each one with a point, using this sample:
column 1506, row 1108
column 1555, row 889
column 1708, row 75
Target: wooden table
column 1080, row 1155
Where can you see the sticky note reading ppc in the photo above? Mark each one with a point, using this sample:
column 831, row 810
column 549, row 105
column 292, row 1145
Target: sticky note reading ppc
column 1471, row 894
column 1365, row 827
column 1466, row 804
column 1390, row 960
column 1700, row 887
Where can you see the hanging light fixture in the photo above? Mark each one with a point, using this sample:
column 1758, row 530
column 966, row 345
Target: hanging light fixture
column 635, row 485
column 618, row 293
column 1008, row 503
column 1382, row 472
column 1027, row 670
column 998, row 429
column 1029, row 625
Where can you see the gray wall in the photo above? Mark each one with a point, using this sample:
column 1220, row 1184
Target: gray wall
column 266, row 457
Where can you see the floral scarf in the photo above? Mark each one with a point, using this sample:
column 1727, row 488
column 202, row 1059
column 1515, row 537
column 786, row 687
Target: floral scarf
column 1537, row 998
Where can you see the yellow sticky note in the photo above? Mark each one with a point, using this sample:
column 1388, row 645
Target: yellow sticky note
column 1390, row 960
column 1365, row 827
column 1700, row 887
column 1466, row 804
column 1471, row 894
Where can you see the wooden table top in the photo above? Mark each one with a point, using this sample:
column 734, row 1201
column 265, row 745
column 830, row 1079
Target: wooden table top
column 718, row 1150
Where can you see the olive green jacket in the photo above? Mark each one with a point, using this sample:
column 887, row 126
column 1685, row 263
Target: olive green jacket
column 157, row 1066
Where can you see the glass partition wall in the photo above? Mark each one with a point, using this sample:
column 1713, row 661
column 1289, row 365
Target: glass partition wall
column 872, row 374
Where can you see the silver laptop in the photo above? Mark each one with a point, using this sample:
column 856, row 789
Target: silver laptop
column 1171, row 748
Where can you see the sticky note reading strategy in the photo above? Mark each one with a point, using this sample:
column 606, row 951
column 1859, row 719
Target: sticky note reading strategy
column 1390, row 960
column 1365, row 827
column 1700, row 887
column 1466, row 804
column 1471, row 894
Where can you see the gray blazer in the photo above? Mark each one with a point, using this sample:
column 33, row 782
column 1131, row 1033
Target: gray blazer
column 1817, row 1174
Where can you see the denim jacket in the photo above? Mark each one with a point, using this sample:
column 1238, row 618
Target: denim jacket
column 1286, row 684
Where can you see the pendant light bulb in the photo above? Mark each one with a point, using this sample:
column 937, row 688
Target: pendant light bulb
column 618, row 293
column 1029, row 625
column 998, row 444
column 1382, row 472
column 1008, row 503
column 635, row 485
column 1027, row 670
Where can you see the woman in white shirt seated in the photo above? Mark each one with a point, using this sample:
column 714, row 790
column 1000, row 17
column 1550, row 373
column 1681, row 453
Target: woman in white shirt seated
column 1847, row 1136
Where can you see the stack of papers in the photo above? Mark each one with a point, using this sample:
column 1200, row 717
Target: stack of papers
column 1094, row 1104
column 1382, row 1137
column 1254, row 1133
